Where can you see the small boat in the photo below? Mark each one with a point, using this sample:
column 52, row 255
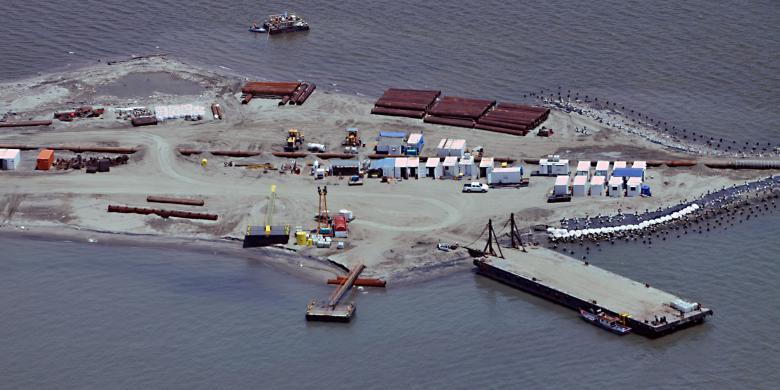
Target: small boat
column 257, row 29
column 285, row 23
column 605, row 321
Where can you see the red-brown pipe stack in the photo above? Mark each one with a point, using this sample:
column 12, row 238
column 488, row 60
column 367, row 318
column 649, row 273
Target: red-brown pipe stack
column 507, row 118
column 161, row 212
column 269, row 90
column 513, row 118
column 305, row 91
column 172, row 200
column 409, row 103
column 460, row 108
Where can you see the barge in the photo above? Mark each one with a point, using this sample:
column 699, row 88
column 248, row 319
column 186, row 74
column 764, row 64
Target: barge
column 581, row 286
column 259, row 236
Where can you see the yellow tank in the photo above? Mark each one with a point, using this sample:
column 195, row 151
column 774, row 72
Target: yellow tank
column 300, row 238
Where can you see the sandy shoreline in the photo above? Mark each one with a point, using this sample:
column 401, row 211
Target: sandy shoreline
column 397, row 225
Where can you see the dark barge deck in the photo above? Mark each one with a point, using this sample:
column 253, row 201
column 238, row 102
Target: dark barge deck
column 578, row 285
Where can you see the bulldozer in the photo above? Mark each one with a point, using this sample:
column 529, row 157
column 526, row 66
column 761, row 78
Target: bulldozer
column 352, row 138
column 294, row 140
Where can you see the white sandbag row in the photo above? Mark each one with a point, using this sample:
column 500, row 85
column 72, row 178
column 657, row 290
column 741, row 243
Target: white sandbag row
column 557, row 233
column 179, row 111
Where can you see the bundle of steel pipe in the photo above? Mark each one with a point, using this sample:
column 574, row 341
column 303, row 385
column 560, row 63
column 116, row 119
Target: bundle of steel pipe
column 187, row 151
column 500, row 129
column 407, row 99
column 680, row 163
column 290, row 154
column 161, row 212
column 234, row 153
column 512, row 116
column 410, row 103
column 449, row 121
column 367, row 282
column 25, row 123
column 264, row 88
column 182, row 201
column 343, row 156
column 305, row 95
column 417, row 114
column 506, row 125
column 376, row 156
column 460, row 108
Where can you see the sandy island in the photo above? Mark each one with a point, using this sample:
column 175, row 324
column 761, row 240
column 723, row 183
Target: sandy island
column 397, row 225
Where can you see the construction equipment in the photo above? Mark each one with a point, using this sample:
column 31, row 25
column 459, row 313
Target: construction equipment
column 352, row 138
column 294, row 140
column 324, row 222
column 268, row 234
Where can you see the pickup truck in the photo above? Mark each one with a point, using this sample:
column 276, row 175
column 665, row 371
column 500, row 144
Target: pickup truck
column 475, row 186
column 355, row 181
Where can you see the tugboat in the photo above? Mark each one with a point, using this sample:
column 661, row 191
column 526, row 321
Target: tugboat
column 277, row 24
column 605, row 321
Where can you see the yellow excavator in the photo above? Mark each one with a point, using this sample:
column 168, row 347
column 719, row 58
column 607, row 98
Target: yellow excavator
column 294, row 140
column 352, row 138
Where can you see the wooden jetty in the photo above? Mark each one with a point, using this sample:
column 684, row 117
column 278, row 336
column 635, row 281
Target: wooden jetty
column 331, row 310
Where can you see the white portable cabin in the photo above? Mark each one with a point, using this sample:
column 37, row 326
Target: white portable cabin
column 553, row 166
column 579, row 185
column 466, row 166
column 450, row 167
column 561, row 185
column 640, row 165
column 451, row 147
column 615, row 187
column 486, row 165
column 415, row 141
column 509, row 175
column 602, row 169
column 413, row 165
column 400, row 167
column 9, row 159
column 597, row 186
column 634, row 186
column 618, row 164
column 433, row 168
column 583, row 168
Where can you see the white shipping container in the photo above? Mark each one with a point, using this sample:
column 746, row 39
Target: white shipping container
column 511, row 175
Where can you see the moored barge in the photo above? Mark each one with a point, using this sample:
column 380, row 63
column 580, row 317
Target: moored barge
column 581, row 286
